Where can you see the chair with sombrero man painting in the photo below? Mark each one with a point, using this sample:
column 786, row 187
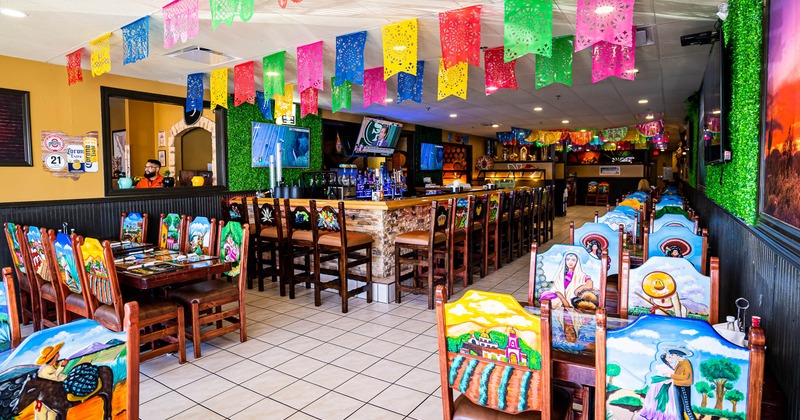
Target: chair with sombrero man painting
column 678, row 242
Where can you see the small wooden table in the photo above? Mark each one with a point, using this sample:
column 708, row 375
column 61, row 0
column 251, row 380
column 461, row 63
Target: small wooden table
column 184, row 272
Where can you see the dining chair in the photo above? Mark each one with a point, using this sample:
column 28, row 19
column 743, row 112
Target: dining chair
column 10, row 330
column 133, row 227
column 667, row 367
column 205, row 300
column 171, row 231
column 691, row 223
column 201, row 237
column 498, row 357
column 28, row 295
column 237, row 209
column 629, row 221
column 37, row 265
column 678, row 242
column 269, row 238
column 591, row 194
column 334, row 242
column 64, row 268
column 567, row 276
column 596, row 237
column 160, row 319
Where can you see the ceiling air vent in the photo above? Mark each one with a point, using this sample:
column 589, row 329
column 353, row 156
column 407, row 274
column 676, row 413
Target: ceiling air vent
column 202, row 55
column 645, row 35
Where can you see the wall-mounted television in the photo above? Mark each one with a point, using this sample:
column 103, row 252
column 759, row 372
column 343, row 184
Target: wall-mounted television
column 377, row 137
column 715, row 97
column 431, row 157
column 295, row 145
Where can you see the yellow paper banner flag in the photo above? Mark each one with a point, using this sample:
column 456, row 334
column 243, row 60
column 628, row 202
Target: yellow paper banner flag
column 219, row 88
column 400, row 48
column 285, row 102
column 101, row 57
column 453, row 81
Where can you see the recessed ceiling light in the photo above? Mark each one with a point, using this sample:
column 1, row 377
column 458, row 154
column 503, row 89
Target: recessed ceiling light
column 716, row 111
column 537, row 109
column 453, row 115
column 604, row 10
column 495, row 125
column 643, row 101
column 632, row 71
column 564, row 121
column 389, row 100
column 13, row 13
column 649, row 116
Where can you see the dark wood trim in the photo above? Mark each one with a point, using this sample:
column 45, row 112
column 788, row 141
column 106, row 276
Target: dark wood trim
column 27, row 140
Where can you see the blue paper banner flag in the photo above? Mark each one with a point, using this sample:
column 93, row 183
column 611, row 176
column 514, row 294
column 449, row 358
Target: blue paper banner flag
column 264, row 105
column 505, row 136
column 410, row 86
column 194, row 92
column 136, row 40
column 520, row 134
column 350, row 58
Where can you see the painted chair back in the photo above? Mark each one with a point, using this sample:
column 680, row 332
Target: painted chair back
column 65, row 367
column 493, row 352
column 268, row 215
column 99, row 275
column 9, row 326
column 297, row 219
column 235, row 210
column 201, row 236
column 171, row 231
column 688, row 213
column 66, row 266
column 12, row 238
column 614, row 218
column 660, row 367
column 597, row 237
column 675, row 220
column 671, row 287
column 133, row 227
column 669, row 201
column 603, row 188
column 36, row 257
column 233, row 242
column 462, row 215
column 494, row 206
column 479, row 209
column 678, row 242
column 567, row 276
column 592, row 187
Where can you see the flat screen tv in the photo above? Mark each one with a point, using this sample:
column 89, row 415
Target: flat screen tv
column 295, row 145
column 431, row 157
column 377, row 137
column 715, row 97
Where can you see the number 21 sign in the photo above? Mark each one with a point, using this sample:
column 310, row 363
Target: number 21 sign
column 66, row 156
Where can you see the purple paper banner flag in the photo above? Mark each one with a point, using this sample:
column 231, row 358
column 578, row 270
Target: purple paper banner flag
column 374, row 87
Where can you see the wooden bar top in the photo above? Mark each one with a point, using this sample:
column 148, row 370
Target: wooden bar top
column 389, row 204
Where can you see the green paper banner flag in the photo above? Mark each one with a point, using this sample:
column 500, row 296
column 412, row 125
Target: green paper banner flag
column 341, row 95
column 273, row 74
column 527, row 28
column 558, row 68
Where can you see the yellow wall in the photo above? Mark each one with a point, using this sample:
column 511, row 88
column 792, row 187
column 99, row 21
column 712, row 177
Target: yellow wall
column 140, row 134
column 196, row 148
column 74, row 110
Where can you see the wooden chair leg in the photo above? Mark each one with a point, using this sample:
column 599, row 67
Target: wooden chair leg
column 317, row 281
column 369, row 274
column 343, row 279
column 397, row 273
column 242, row 322
column 182, row 337
column 196, row 329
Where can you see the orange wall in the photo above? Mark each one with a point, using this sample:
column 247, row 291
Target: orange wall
column 74, row 110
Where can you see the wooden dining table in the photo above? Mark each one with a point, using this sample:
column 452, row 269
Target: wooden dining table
column 161, row 268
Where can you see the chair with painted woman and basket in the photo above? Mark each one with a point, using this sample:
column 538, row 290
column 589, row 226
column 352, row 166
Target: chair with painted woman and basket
column 133, row 227
column 497, row 356
column 201, row 236
column 37, row 265
column 269, row 239
column 205, row 300
column 691, row 222
column 662, row 367
column 65, row 268
column 678, row 242
column 171, row 231
column 28, row 293
column 671, row 287
column 160, row 319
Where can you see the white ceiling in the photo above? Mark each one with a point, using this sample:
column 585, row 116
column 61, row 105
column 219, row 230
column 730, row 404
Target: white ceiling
column 668, row 72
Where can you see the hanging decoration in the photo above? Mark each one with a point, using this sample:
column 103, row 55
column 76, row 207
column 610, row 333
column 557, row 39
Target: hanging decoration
column 505, row 137
column 410, row 86
column 374, row 87
column 264, row 105
column 180, row 21
column 400, row 48
column 274, row 74
column 527, row 28
column 226, row 10
column 651, row 128
column 580, row 138
column 631, row 136
column 194, row 92
column 460, row 35
column 282, row 3
column 350, row 58
column 244, row 86
column 74, row 70
column 453, row 81
column 558, row 67
column 613, row 60
column 550, row 137
column 604, row 20
column 341, row 95
column 309, row 102
column 101, row 56
column 499, row 74
column 219, row 88
column 614, row 134
column 309, row 66
column 284, row 103
column 136, row 40
column 520, row 134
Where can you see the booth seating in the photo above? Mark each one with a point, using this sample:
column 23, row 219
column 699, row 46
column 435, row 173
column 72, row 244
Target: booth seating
column 38, row 267
column 334, row 242
column 133, row 227
column 269, row 238
column 427, row 253
column 678, row 242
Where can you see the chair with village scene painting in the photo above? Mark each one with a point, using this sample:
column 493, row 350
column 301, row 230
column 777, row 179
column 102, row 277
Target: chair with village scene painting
column 171, row 231
column 28, row 293
column 133, row 227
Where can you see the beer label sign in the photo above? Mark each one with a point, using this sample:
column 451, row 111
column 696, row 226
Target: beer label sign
column 66, row 156
column 90, row 154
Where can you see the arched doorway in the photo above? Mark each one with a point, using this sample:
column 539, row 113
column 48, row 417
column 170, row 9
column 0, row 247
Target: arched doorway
column 180, row 129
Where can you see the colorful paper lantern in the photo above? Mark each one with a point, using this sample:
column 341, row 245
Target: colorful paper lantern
column 460, row 35
column 527, row 28
column 309, row 102
column 74, row 70
column 226, row 10
column 341, row 95
column 498, row 73
column 374, row 87
column 613, row 60
column 309, row 66
column 274, row 65
column 651, row 128
column 350, row 58
column 219, row 88
column 558, row 67
column 453, row 81
column 400, row 48
column 101, row 56
column 136, row 40
column 604, row 20
column 180, row 21
column 410, row 86
column 194, row 92
column 244, row 86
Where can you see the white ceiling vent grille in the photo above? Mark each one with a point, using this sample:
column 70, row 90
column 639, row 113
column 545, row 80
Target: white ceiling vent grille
column 645, row 36
column 202, row 55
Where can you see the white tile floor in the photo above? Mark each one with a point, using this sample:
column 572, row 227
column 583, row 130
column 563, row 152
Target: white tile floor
column 379, row 361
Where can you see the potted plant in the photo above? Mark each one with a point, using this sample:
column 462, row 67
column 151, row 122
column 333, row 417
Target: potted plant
column 169, row 181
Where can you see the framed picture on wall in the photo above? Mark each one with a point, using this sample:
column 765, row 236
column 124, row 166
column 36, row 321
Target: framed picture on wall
column 162, row 157
column 15, row 128
column 780, row 158
column 162, row 139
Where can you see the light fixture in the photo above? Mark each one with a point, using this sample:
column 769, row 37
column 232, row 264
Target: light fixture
column 722, row 11
column 495, row 125
column 583, row 130
column 634, row 71
column 13, row 13
column 388, row 100
column 643, row 101
column 537, row 109
column 649, row 117
column 564, row 121
column 453, row 115
column 604, row 10
column 716, row 111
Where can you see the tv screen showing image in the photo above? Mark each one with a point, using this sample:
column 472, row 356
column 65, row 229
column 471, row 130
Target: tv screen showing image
column 296, row 142
column 377, row 137
column 431, row 157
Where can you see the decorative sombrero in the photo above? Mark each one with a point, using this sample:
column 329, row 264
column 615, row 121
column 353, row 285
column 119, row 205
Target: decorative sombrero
column 587, row 240
column 658, row 284
column 48, row 353
column 667, row 246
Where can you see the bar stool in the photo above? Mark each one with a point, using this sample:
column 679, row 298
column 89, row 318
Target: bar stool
column 460, row 238
column 477, row 236
column 28, row 293
column 551, row 209
column 506, row 213
column 299, row 244
column 516, row 224
column 541, row 215
column 334, row 242
column 268, row 238
column 491, row 233
column 425, row 247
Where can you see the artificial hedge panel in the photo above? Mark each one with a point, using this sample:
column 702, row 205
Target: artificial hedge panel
column 693, row 115
column 241, row 175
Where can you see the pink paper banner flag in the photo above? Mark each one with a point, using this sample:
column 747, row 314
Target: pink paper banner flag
column 309, row 66
column 74, row 71
column 499, row 74
column 282, row 3
column 650, row 129
column 244, row 86
column 180, row 21
column 309, row 102
column 604, row 20
column 460, row 35
column 613, row 60
column 374, row 87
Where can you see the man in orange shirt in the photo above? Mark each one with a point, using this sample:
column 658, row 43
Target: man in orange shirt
column 152, row 179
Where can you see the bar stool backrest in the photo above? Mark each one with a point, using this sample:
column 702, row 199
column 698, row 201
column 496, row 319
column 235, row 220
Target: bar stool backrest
column 495, row 203
column 234, row 209
column 298, row 218
column 133, row 227
column 171, row 228
column 479, row 209
column 201, row 237
column 267, row 214
column 440, row 216
column 461, row 215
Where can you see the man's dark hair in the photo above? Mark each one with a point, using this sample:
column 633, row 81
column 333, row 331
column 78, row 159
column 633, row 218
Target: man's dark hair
column 154, row 162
